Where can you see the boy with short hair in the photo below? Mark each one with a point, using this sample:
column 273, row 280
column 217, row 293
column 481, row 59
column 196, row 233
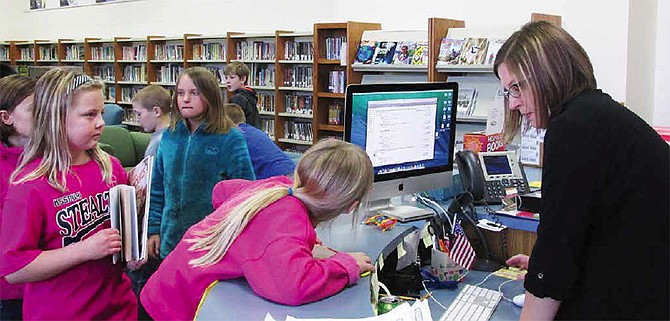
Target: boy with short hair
column 237, row 75
column 152, row 107
column 268, row 160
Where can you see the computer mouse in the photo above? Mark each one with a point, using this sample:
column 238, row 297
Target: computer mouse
column 518, row 300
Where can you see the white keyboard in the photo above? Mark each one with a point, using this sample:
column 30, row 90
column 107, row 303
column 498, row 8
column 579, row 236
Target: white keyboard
column 472, row 303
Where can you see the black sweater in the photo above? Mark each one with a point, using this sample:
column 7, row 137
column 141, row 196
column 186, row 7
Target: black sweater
column 602, row 246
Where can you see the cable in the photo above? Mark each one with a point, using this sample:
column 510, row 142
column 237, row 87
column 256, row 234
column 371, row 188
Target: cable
column 428, row 202
column 431, row 294
column 500, row 290
column 485, row 279
column 383, row 286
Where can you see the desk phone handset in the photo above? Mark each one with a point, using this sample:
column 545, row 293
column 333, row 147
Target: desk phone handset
column 488, row 175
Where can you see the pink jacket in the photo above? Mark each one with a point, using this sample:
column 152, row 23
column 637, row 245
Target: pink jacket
column 9, row 158
column 273, row 253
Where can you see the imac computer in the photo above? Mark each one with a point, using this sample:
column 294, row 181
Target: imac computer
column 408, row 131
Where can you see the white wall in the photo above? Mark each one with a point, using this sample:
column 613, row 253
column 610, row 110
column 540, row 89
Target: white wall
column 661, row 113
column 641, row 81
column 599, row 25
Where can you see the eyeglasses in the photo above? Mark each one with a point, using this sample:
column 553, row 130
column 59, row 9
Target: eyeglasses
column 514, row 90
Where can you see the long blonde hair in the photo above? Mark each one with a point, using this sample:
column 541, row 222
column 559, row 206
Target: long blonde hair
column 329, row 179
column 54, row 93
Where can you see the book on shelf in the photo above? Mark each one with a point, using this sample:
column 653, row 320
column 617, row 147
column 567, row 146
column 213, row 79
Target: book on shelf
column 366, row 51
column 420, row 55
column 450, row 49
column 493, row 48
column 384, row 52
column 129, row 211
column 404, row 52
column 473, row 51
column 467, row 101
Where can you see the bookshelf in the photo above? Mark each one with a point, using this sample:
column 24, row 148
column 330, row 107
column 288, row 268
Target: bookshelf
column 166, row 60
column 131, row 58
column 209, row 52
column 333, row 71
column 293, row 97
column 46, row 53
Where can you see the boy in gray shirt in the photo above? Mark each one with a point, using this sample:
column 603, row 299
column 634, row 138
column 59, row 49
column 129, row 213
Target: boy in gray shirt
column 152, row 108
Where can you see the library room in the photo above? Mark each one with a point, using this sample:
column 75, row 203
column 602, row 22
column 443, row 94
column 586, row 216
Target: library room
column 334, row 160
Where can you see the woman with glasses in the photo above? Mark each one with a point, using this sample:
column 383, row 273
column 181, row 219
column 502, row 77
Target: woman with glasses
column 602, row 246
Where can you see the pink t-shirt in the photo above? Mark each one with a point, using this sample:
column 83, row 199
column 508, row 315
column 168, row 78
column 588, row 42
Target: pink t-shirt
column 273, row 253
column 44, row 218
column 9, row 158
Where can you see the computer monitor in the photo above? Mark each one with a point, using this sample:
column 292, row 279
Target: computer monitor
column 408, row 131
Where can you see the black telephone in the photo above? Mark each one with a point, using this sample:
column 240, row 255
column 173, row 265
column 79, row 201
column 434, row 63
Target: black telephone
column 488, row 175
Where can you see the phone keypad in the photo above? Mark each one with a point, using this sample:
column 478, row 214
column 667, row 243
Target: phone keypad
column 496, row 189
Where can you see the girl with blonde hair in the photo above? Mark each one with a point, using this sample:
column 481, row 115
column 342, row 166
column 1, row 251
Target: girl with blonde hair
column 264, row 231
column 58, row 239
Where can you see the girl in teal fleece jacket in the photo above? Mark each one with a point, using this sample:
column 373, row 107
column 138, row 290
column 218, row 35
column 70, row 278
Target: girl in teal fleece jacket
column 201, row 148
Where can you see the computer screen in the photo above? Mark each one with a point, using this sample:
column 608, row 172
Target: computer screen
column 407, row 130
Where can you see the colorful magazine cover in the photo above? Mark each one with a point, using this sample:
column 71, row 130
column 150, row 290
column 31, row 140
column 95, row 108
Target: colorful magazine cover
column 404, row 52
column 385, row 52
column 473, row 51
column 365, row 52
column 450, row 49
column 492, row 51
column 420, row 56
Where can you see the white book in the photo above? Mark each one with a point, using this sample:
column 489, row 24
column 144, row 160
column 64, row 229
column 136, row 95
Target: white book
column 129, row 211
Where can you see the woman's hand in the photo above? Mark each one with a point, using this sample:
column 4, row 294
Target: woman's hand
column 364, row 261
column 520, row 261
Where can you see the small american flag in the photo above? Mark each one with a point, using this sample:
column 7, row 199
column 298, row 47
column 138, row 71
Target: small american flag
column 461, row 251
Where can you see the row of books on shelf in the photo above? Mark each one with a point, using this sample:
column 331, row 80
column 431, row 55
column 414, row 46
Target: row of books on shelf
column 104, row 72
column 392, row 52
column 299, row 50
column 48, row 53
column 255, row 50
column 74, row 52
column 298, row 104
column 298, row 131
column 335, row 113
column 467, row 101
column 127, row 93
column 4, row 52
column 209, row 51
column 334, row 47
column 268, row 126
column 135, row 73
column 169, row 52
column 134, row 52
column 298, row 76
column 28, row 53
column 337, row 81
column 469, row 51
column 265, row 102
column 168, row 73
column 102, row 53
column 262, row 75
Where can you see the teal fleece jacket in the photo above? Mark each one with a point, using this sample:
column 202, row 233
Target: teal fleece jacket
column 186, row 168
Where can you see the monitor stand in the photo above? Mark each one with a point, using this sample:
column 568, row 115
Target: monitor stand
column 402, row 208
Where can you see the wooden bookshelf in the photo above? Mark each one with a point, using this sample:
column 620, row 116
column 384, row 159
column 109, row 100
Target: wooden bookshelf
column 294, row 93
column 328, row 60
